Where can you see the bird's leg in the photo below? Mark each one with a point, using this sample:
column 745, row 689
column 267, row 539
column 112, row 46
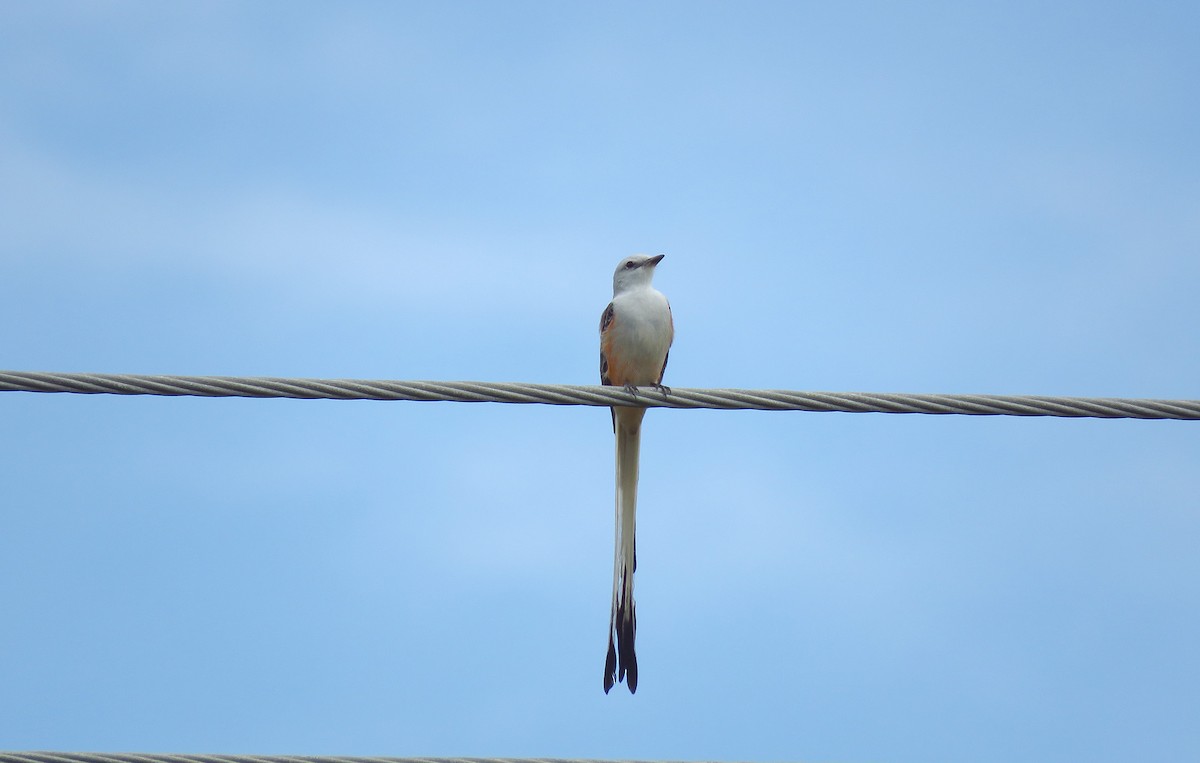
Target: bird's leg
column 662, row 388
column 631, row 389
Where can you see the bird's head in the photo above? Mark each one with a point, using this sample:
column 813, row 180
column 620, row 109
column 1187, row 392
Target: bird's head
column 635, row 270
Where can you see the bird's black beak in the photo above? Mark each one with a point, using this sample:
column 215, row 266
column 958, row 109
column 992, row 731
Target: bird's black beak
column 653, row 260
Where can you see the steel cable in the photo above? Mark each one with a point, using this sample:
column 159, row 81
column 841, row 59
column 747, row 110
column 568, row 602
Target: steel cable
column 569, row 394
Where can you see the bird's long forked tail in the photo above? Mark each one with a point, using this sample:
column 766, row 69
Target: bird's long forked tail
column 621, row 663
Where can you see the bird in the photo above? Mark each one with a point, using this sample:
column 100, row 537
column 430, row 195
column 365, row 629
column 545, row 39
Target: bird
column 636, row 331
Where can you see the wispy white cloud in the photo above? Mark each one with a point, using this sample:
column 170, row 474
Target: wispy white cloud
column 324, row 248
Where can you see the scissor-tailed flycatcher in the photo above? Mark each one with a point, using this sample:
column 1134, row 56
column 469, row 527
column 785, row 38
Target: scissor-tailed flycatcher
column 635, row 336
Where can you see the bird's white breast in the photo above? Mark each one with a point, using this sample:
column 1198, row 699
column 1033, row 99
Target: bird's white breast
column 642, row 326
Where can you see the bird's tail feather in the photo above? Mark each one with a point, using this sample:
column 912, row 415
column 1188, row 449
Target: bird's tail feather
column 621, row 663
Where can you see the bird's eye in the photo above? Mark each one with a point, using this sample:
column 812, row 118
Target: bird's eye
column 630, row 265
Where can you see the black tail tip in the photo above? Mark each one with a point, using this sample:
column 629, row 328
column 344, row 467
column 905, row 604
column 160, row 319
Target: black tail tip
column 627, row 673
column 610, row 666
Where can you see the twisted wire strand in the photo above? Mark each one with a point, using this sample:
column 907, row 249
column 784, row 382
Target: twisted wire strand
column 94, row 757
column 569, row 394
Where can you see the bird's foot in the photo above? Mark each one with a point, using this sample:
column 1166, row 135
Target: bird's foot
column 661, row 388
column 631, row 389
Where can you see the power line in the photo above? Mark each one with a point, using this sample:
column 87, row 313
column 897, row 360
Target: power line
column 125, row 757
column 568, row 394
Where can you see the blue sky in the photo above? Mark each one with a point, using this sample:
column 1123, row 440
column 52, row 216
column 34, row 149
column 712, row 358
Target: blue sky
column 959, row 197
